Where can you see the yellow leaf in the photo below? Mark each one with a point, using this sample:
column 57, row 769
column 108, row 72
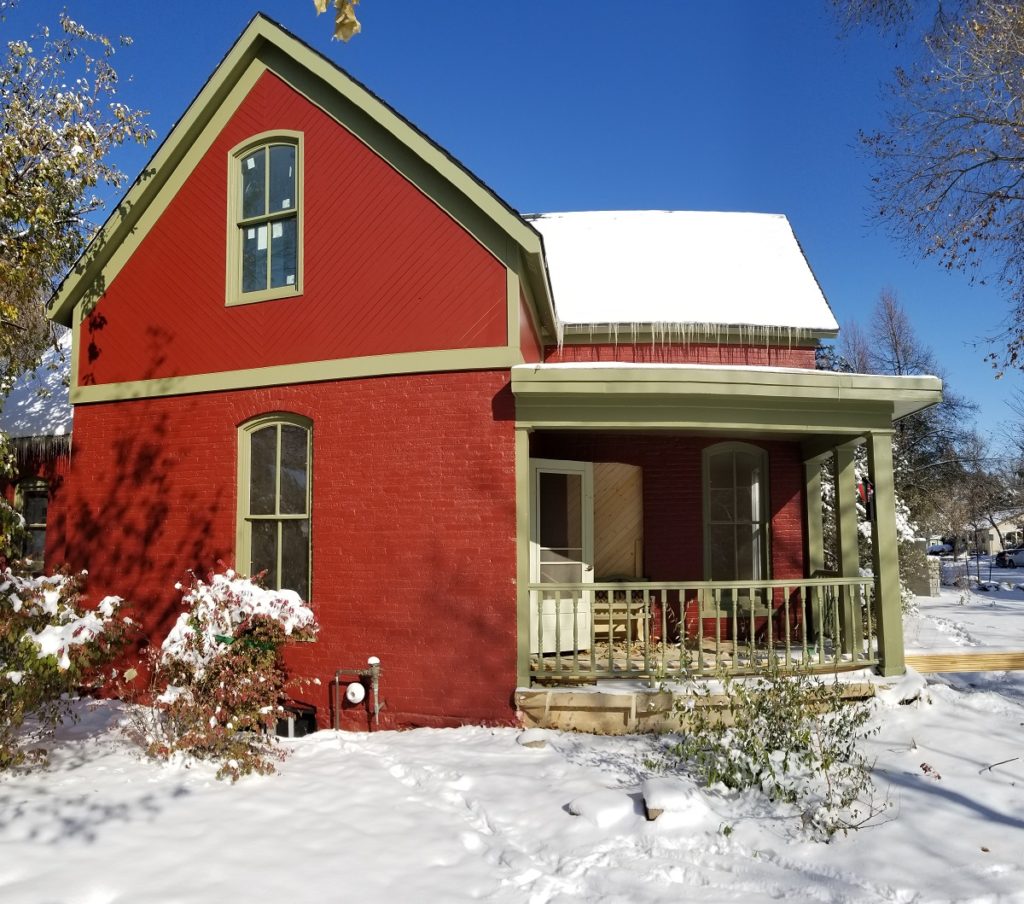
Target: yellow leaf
column 321, row 6
column 345, row 22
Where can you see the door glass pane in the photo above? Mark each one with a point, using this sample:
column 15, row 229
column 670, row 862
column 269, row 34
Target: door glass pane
column 264, row 551
column 254, row 258
column 262, row 468
column 294, row 470
column 282, row 177
column 254, row 189
column 295, row 557
column 283, row 253
column 561, row 527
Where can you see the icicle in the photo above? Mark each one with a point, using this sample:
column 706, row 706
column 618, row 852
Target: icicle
column 29, row 449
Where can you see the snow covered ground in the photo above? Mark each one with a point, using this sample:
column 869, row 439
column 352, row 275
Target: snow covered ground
column 471, row 814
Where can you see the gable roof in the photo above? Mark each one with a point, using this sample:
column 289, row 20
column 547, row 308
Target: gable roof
column 743, row 270
column 267, row 42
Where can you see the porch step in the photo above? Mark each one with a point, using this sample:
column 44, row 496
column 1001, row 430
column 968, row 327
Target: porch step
column 616, row 712
column 987, row 661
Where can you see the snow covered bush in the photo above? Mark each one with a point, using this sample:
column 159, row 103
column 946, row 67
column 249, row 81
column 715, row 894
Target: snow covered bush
column 791, row 736
column 218, row 679
column 51, row 646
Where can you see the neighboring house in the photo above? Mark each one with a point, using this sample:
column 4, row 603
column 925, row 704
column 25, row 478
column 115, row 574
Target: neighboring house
column 492, row 450
column 1007, row 533
column 36, row 416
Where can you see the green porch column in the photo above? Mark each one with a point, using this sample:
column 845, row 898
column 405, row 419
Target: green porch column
column 522, row 557
column 847, row 536
column 812, row 515
column 885, row 554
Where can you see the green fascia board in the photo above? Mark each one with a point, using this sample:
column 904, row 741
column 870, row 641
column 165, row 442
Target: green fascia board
column 266, row 40
column 901, row 395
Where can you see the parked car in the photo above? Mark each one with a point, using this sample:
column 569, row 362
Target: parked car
column 1010, row 558
column 940, row 549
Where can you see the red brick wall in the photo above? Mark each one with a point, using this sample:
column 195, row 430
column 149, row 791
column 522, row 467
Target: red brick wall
column 693, row 353
column 413, row 526
column 673, row 496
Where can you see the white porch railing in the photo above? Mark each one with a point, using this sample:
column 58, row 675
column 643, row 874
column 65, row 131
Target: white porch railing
column 682, row 629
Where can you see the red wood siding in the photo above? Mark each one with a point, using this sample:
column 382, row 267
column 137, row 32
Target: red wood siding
column 674, row 500
column 529, row 344
column 414, row 554
column 693, row 353
column 386, row 270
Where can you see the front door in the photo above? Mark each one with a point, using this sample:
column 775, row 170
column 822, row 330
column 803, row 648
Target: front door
column 561, row 552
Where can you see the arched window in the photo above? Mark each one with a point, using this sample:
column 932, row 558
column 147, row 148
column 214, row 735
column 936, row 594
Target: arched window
column 265, row 218
column 735, row 513
column 274, row 500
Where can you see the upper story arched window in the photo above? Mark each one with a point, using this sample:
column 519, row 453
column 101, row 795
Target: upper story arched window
column 265, row 218
column 275, row 500
column 735, row 513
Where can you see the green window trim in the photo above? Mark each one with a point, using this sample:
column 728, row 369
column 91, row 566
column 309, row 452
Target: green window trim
column 759, row 520
column 268, row 512
column 265, row 225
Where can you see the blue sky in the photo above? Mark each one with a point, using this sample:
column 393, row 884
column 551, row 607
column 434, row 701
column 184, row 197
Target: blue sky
column 573, row 105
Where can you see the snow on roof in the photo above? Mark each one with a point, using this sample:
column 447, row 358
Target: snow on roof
column 681, row 267
column 38, row 405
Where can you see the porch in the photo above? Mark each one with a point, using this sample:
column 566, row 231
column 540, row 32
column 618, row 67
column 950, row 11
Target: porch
column 675, row 631
column 670, row 521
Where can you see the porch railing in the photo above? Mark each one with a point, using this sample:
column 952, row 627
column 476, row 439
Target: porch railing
column 676, row 630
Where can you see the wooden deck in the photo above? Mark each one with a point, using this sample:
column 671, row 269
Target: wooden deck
column 972, row 661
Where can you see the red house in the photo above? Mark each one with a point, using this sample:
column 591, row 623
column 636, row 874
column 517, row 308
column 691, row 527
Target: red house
column 495, row 451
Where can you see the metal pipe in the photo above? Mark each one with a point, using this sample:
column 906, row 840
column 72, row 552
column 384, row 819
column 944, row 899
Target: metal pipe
column 373, row 673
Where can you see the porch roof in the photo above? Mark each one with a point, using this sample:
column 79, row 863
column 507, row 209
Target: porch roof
column 707, row 397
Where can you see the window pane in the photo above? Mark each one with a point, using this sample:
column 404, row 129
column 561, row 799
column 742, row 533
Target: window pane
column 294, row 470
column 723, row 552
column 295, row 557
column 35, row 545
column 35, row 507
column 721, row 471
column 744, row 554
column 283, row 257
column 254, row 184
column 264, row 551
column 282, row 177
column 254, row 258
column 262, row 468
column 747, row 486
column 722, row 504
